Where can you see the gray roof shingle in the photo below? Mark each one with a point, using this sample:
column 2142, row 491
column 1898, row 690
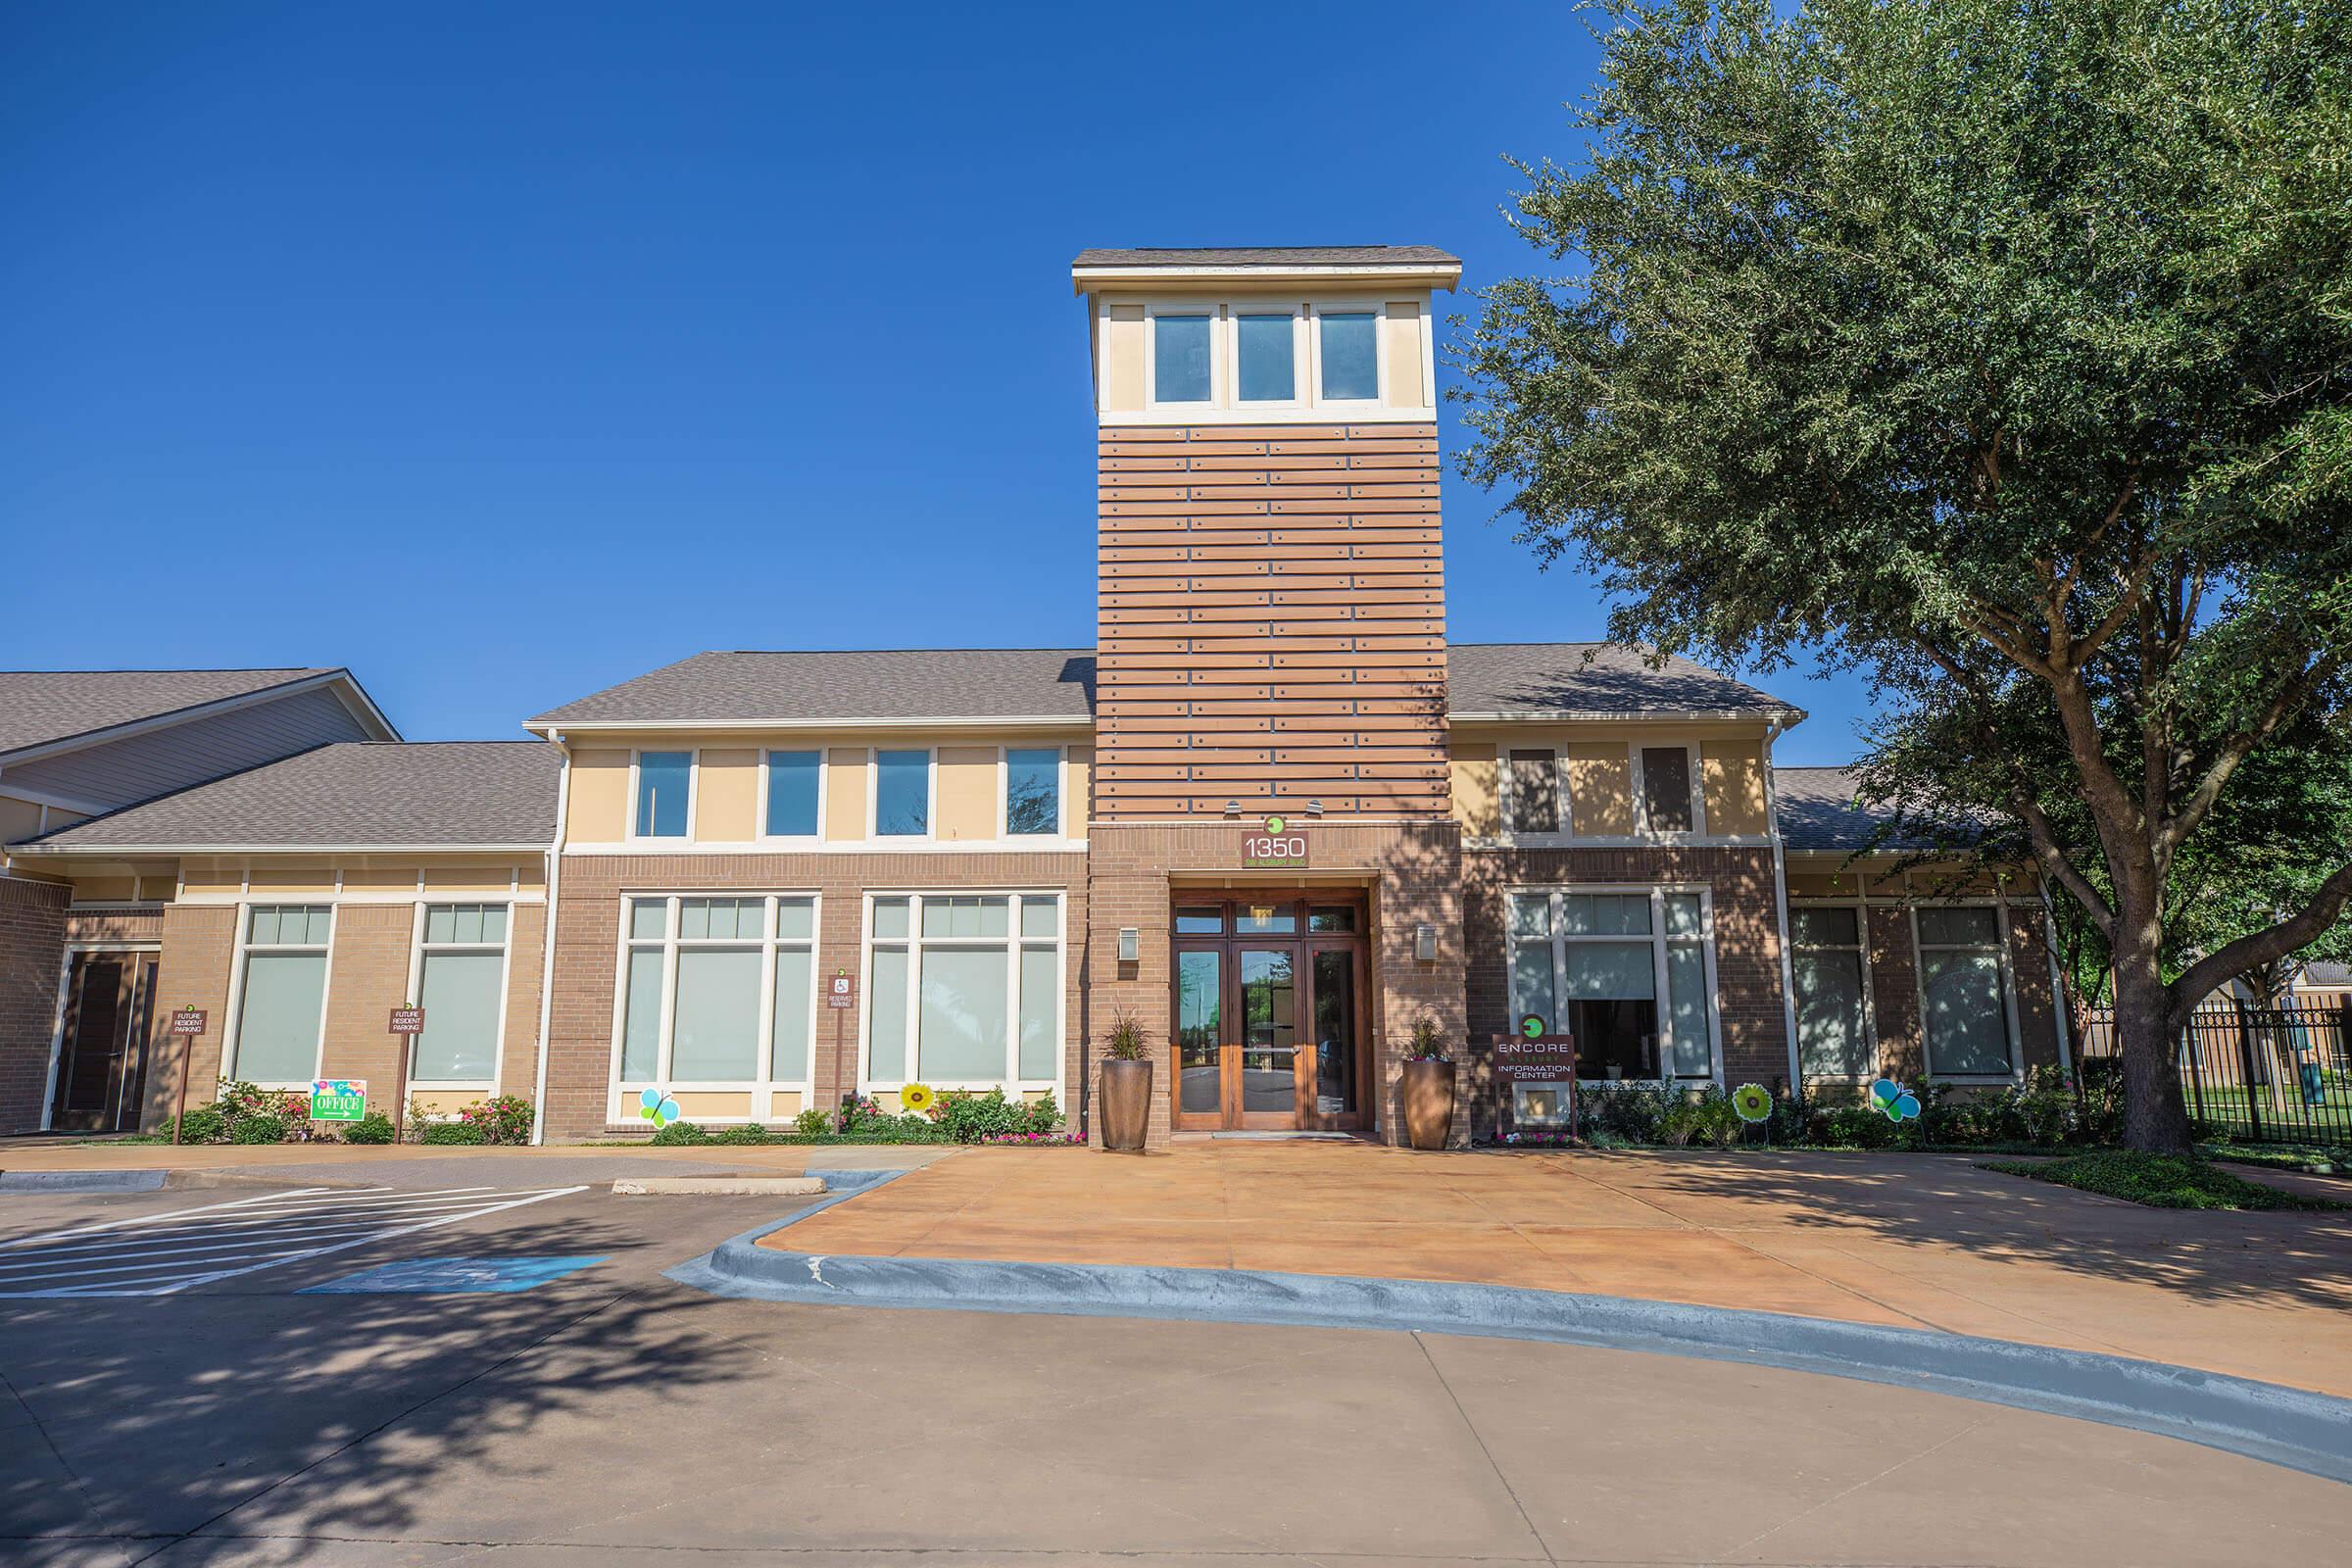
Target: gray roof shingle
column 1818, row 812
column 1269, row 256
column 352, row 793
column 900, row 683
column 41, row 706
column 1531, row 678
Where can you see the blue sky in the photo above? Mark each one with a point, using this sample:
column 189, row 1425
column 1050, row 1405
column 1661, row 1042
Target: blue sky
column 502, row 352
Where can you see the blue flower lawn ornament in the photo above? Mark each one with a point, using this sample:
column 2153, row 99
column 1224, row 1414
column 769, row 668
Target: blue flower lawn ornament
column 656, row 1108
column 1892, row 1100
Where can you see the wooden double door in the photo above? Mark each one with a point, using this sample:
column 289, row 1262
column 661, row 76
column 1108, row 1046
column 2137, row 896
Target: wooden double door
column 102, row 1057
column 1269, row 997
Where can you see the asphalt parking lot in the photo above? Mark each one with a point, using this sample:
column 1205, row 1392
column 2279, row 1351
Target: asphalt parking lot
column 489, row 1365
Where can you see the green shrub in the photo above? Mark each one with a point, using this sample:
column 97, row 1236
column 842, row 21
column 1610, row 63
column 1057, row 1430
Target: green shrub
column 966, row 1117
column 2159, row 1180
column 503, row 1118
column 747, row 1133
column 258, row 1127
column 812, row 1122
column 1857, row 1126
column 1631, row 1115
column 202, row 1125
column 374, row 1128
column 451, row 1131
column 680, row 1132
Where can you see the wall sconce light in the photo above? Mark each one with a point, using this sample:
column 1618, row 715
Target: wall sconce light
column 1314, row 808
column 1233, row 807
column 1425, row 943
column 1131, row 945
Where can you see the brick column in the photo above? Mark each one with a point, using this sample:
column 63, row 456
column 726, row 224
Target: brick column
column 32, row 955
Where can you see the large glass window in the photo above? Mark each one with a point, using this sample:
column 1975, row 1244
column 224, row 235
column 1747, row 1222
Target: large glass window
column 281, row 1006
column 1032, row 790
column 461, row 978
column 965, row 990
column 1591, row 964
column 792, row 793
column 694, row 978
column 664, row 780
column 1265, row 347
column 901, row 794
column 1535, row 793
column 1351, row 357
column 1666, row 788
column 1827, row 959
column 1963, row 985
column 1180, row 359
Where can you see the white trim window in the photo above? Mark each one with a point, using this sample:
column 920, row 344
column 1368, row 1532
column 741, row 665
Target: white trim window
column 792, row 793
column 1033, row 792
column 1533, row 801
column 965, row 990
column 1967, row 995
column 1595, row 961
column 1348, row 356
column 904, row 792
column 1829, row 964
column 1666, row 791
column 459, row 976
column 717, row 992
column 1268, row 354
column 282, row 992
column 1180, row 356
column 661, row 795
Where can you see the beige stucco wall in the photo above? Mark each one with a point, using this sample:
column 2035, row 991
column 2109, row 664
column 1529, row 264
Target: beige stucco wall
column 1600, row 787
column 966, row 785
column 727, row 782
column 1123, row 358
column 1472, row 766
column 1732, row 774
column 599, row 795
column 845, row 793
column 1402, row 328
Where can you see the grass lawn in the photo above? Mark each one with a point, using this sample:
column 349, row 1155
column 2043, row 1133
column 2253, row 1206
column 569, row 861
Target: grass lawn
column 2157, row 1179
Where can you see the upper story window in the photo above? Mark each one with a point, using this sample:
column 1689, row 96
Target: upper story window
column 1181, row 369
column 1032, row 791
column 1666, row 802
column 902, row 794
column 1534, row 792
column 1350, row 356
column 1266, row 358
column 665, row 785
column 793, row 779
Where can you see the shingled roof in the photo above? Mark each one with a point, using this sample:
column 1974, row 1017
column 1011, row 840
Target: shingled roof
column 1519, row 680
column 947, row 684
column 40, row 707
column 350, row 795
column 1818, row 812
column 1180, row 256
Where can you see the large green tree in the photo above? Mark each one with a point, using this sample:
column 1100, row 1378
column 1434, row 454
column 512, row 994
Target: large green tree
column 1999, row 350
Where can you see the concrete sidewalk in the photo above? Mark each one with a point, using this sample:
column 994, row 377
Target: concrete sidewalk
column 1904, row 1241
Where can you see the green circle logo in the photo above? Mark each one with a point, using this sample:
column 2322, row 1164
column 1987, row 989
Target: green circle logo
column 1533, row 1026
column 1274, row 825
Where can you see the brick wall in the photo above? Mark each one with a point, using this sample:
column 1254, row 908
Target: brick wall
column 1412, row 871
column 199, row 949
column 1748, row 946
column 580, row 1036
column 33, row 943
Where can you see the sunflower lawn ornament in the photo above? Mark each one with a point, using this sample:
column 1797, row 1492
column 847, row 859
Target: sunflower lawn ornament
column 916, row 1100
column 1893, row 1102
column 656, row 1108
column 1753, row 1103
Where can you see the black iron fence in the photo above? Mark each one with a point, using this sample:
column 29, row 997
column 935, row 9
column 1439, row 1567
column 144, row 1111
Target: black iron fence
column 2260, row 1075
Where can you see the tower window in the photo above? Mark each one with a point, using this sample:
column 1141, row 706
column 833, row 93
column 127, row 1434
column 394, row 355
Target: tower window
column 1267, row 354
column 1351, row 357
column 1180, row 359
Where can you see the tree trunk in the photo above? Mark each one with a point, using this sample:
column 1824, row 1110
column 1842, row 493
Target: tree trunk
column 2155, row 1118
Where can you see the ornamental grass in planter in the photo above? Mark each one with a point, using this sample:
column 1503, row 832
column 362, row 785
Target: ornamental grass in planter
column 1126, row 1102
column 1428, row 1085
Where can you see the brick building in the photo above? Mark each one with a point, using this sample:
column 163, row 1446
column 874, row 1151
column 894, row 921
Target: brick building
column 1274, row 814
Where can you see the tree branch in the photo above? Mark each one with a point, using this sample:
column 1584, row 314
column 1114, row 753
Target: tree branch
column 2234, row 750
column 2263, row 946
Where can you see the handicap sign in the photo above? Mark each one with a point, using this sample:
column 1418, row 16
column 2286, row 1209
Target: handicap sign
column 338, row 1099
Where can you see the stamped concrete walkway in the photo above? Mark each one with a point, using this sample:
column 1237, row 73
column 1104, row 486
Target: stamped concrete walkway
column 1908, row 1241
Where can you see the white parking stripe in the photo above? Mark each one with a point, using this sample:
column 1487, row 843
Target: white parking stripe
column 149, row 1256
column 238, row 1210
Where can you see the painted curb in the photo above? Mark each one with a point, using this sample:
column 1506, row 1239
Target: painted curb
column 2290, row 1426
column 718, row 1186
column 81, row 1181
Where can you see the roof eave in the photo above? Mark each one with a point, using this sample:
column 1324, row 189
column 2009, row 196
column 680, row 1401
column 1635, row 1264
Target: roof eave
column 1416, row 274
column 173, row 718
column 117, row 851
column 547, row 726
column 1785, row 716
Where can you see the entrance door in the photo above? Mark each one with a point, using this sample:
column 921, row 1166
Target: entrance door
column 102, row 1063
column 1268, row 1001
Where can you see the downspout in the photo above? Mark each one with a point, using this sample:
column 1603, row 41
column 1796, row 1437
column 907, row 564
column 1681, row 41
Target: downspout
column 1779, row 888
column 2060, row 1002
column 547, row 935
